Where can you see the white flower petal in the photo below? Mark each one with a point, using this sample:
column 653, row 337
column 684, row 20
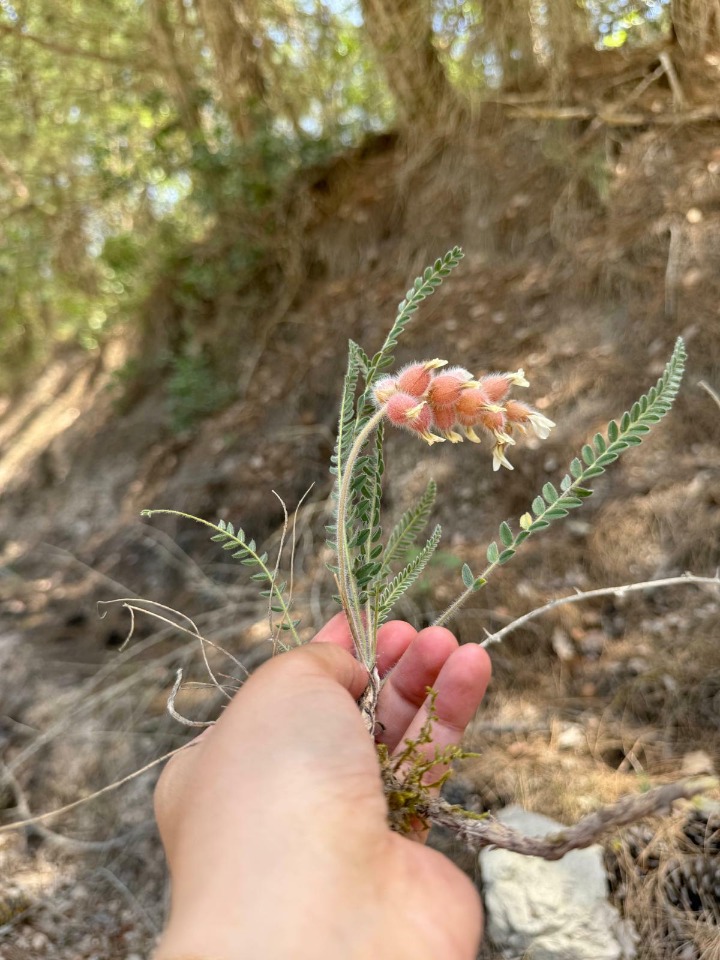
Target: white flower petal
column 518, row 378
column 499, row 458
column 541, row 425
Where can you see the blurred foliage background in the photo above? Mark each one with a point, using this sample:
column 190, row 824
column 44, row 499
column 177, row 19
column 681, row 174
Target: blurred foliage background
column 131, row 130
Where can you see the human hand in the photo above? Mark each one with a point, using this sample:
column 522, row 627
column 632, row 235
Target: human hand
column 274, row 822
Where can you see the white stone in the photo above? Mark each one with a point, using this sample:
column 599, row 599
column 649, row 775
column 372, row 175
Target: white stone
column 571, row 737
column 550, row 910
column 697, row 762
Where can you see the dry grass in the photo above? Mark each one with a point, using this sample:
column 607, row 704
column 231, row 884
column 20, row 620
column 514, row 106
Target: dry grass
column 650, row 866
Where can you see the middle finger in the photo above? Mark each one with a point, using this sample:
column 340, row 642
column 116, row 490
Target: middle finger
column 405, row 690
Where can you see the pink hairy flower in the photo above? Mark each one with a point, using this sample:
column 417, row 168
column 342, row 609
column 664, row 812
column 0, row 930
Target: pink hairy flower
column 384, row 389
column 447, row 387
column 405, row 411
column 470, row 404
column 493, row 419
column 415, row 377
column 445, row 420
column 497, row 385
column 418, row 398
column 523, row 416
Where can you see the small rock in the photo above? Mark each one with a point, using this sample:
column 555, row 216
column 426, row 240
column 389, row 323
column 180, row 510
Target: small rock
column 637, row 666
column 571, row 737
column 562, row 645
column 39, row 941
column 551, row 910
column 696, row 763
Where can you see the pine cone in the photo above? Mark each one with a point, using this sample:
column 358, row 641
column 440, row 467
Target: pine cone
column 692, row 884
column 633, row 854
column 702, row 829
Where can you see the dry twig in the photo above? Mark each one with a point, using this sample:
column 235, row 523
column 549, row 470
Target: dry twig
column 708, row 389
column 616, row 118
column 59, row 840
column 40, row 817
column 480, row 830
column 686, row 578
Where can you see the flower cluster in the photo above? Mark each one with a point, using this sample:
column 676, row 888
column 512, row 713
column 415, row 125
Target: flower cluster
column 419, row 398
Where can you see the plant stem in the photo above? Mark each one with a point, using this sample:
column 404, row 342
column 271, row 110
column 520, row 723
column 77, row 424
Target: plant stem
column 601, row 592
column 450, row 612
column 269, row 576
column 364, row 642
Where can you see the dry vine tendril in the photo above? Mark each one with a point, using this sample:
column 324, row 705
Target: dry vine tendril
column 372, row 571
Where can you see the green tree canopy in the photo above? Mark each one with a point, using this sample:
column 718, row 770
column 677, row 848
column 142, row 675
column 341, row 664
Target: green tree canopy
column 128, row 126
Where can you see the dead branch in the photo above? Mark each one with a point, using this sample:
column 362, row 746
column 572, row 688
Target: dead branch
column 59, row 840
column 670, row 72
column 40, row 817
column 186, row 721
column 478, row 830
column 613, row 118
column 191, row 631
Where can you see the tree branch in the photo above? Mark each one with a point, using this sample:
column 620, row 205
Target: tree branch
column 66, row 51
column 480, row 830
column 613, row 118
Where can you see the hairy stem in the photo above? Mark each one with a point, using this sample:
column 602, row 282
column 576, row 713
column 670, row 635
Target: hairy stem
column 450, row 612
column 362, row 638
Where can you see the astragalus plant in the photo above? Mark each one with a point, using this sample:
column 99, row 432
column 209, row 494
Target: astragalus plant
column 435, row 401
